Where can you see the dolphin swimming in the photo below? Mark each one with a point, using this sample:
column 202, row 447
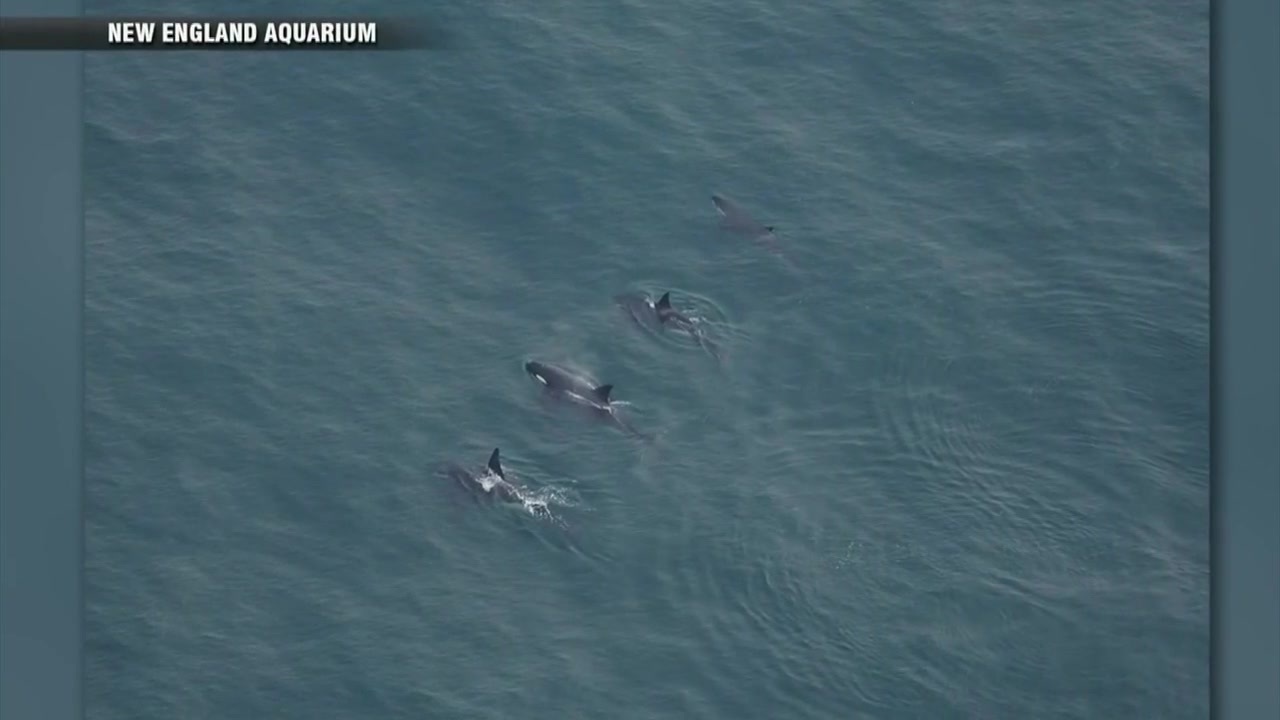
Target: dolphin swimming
column 734, row 217
column 491, row 483
column 661, row 315
column 575, row 387
column 565, row 384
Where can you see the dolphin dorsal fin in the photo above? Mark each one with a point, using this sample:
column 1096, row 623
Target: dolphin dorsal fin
column 602, row 393
column 664, row 302
column 495, row 466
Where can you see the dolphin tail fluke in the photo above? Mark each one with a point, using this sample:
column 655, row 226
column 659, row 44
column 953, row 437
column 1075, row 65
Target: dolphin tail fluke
column 664, row 302
column 495, row 466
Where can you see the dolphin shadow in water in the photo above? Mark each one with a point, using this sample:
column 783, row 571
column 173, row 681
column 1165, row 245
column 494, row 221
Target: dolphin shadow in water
column 561, row 384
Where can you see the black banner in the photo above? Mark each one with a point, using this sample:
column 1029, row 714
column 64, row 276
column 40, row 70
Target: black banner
column 221, row 34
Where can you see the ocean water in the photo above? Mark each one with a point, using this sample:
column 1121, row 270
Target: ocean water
column 954, row 463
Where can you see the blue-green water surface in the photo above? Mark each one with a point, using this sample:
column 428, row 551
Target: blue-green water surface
column 954, row 463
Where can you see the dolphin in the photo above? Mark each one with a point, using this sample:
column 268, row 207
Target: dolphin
column 640, row 307
column 671, row 316
column 661, row 315
column 734, row 217
column 575, row 387
column 492, row 483
column 564, row 384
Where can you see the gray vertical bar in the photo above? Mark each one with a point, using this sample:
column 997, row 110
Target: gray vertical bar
column 1246, row 363
column 41, row 250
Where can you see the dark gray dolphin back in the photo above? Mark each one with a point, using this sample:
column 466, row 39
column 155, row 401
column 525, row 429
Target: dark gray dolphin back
column 559, row 380
column 640, row 309
column 562, row 380
column 737, row 218
column 724, row 204
column 495, row 465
